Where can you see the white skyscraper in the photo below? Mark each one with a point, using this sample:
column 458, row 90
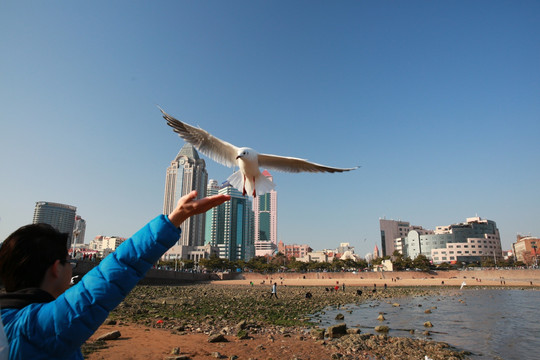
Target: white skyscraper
column 210, row 232
column 79, row 230
column 187, row 172
column 59, row 216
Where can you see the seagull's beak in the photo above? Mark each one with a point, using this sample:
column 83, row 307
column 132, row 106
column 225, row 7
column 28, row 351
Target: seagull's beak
column 239, row 156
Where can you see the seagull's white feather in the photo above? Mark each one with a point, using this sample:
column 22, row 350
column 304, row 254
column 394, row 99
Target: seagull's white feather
column 295, row 165
column 216, row 149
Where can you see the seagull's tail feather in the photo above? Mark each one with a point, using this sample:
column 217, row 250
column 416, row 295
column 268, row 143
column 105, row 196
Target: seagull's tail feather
column 263, row 185
column 236, row 180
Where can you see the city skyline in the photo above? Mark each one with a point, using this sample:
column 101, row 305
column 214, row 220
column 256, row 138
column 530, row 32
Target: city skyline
column 436, row 101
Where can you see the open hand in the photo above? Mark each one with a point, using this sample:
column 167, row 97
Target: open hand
column 187, row 206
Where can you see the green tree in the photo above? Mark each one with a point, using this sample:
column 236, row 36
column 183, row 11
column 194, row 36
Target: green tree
column 337, row 264
column 298, row 265
column 214, row 263
column 188, row 264
column 421, row 262
column 488, row 262
column 258, row 263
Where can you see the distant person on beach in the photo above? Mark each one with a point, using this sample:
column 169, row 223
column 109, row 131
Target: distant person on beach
column 45, row 318
column 274, row 290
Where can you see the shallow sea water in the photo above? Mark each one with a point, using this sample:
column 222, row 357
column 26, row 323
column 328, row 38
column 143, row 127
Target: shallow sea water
column 490, row 323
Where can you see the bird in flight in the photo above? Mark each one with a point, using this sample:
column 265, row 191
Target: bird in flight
column 248, row 179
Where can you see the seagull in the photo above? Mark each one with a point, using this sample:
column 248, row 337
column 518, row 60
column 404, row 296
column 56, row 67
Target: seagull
column 248, row 179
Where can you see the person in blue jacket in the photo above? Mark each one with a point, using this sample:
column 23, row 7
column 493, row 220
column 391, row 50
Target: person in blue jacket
column 45, row 318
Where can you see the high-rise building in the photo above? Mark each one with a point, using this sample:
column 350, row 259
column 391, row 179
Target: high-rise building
column 392, row 230
column 79, row 230
column 59, row 216
column 265, row 208
column 210, row 231
column 232, row 226
column 187, row 172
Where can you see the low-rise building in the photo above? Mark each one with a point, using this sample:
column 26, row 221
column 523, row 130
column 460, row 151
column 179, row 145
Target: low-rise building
column 195, row 253
column 105, row 245
column 294, row 250
column 526, row 249
column 317, row 256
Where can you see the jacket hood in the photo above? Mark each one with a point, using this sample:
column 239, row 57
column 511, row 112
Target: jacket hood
column 22, row 298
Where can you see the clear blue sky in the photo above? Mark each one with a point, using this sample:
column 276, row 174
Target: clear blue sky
column 438, row 101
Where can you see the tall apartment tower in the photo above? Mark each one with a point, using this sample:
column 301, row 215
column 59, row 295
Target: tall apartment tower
column 210, row 231
column 187, row 172
column 79, row 230
column 391, row 230
column 59, row 216
column 265, row 208
column 232, row 226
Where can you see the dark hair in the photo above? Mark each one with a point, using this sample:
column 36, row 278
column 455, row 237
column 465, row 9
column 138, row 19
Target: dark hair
column 27, row 253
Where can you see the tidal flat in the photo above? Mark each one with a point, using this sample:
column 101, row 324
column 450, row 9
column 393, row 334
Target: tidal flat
column 240, row 311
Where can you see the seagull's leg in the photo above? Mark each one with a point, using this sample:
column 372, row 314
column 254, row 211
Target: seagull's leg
column 254, row 194
column 244, row 192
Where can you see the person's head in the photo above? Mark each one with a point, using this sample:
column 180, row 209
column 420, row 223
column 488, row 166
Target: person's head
column 33, row 254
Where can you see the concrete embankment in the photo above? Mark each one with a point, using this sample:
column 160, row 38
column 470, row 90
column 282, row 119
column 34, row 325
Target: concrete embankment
column 160, row 277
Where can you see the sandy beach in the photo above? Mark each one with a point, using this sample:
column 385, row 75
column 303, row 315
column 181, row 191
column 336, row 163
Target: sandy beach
column 519, row 277
column 159, row 335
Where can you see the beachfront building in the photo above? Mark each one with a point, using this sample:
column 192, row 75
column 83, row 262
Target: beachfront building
column 186, row 173
column 59, row 216
column 391, row 233
column 294, row 250
column 526, row 249
column 194, row 253
column 79, row 230
column 265, row 208
column 471, row 241
column 317, row 256
column 104, row 245
column 231, row 226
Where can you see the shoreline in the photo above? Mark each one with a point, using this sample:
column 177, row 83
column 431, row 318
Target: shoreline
column 171, row 322
column 504, row 278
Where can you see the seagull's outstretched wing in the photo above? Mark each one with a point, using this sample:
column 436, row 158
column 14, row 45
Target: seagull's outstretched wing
column 216, row 149
column 295, row 165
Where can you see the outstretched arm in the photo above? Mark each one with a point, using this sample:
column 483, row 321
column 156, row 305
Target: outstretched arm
column 61, row 326
column 187, row 206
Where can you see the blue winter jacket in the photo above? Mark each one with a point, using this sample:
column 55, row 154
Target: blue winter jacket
column 57, row 329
